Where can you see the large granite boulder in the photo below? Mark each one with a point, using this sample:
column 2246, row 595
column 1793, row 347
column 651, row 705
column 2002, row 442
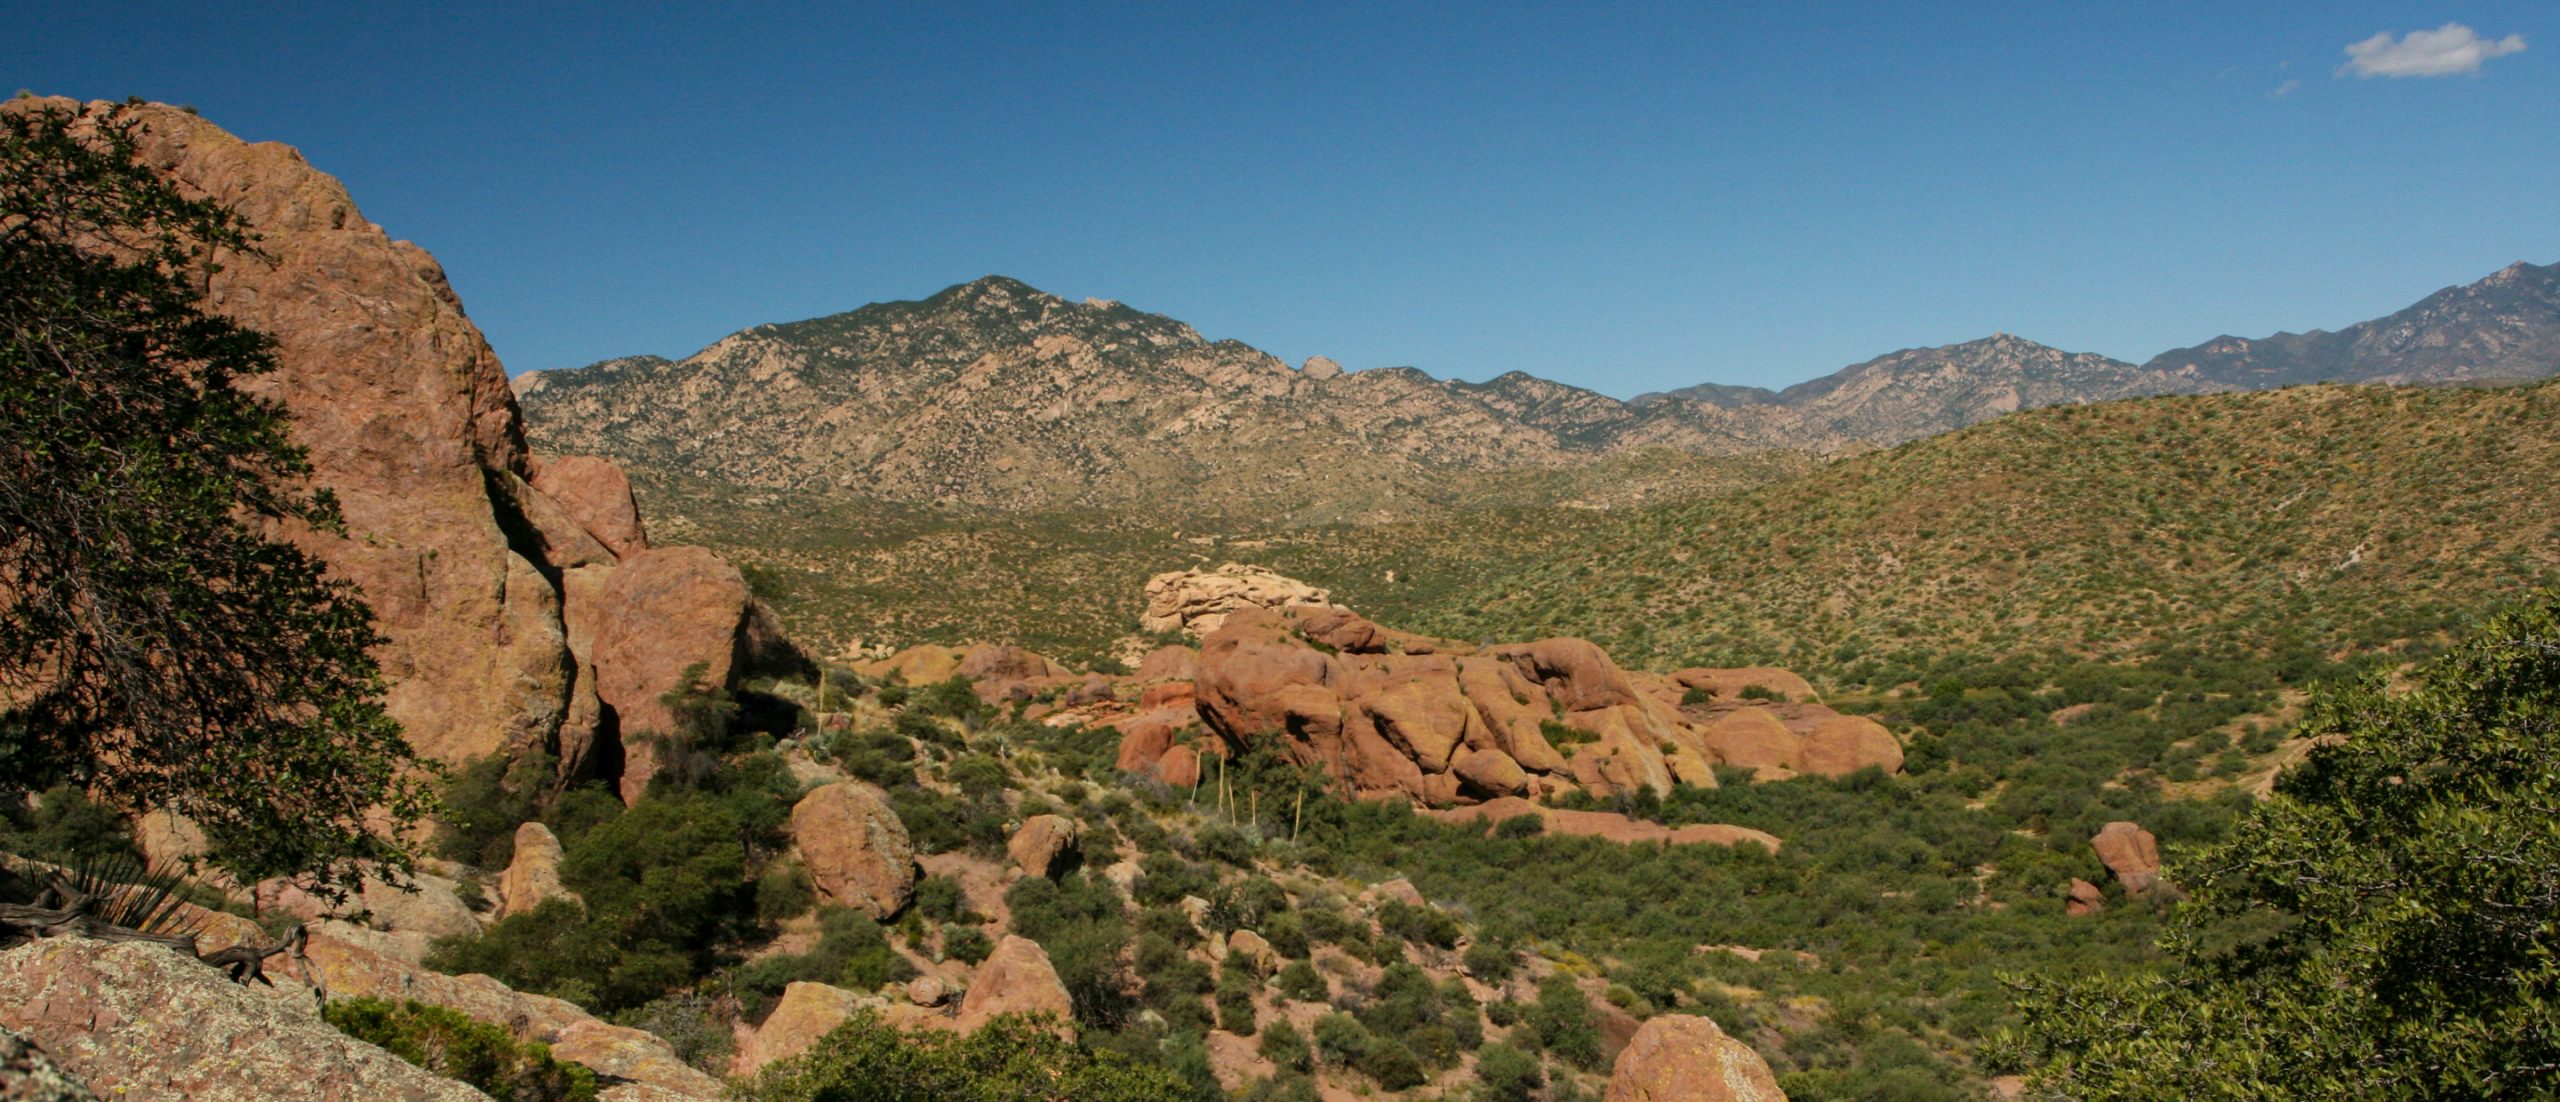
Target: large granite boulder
column 534, row 875
column 1016, row 979
column 2131, row 853
column 1685, row 1058
column 856, row 849
column 1197, row 602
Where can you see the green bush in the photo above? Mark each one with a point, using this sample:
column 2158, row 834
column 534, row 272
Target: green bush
column 451, row 1045
column 1285, row 1047
column 1011, row 1059
column 1300, row 982
column 1508, row 1074
column 966, row 944
column 1236, row 987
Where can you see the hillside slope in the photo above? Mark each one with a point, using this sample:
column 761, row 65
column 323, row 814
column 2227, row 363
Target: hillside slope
column 2270, row 524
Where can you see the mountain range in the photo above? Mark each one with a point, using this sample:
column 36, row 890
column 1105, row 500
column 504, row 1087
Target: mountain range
column 996, row 394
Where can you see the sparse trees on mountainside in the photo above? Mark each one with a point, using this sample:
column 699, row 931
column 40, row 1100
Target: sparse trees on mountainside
column 159, row 644
column 2387, row 926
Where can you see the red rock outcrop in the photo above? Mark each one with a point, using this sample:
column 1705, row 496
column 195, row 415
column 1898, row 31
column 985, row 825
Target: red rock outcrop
column 1685, row 1058
column 855, row 848
column 1016, row 979
column 1441, row 723
column 1606, row 825
column 464, row 547
column 2131, row 853
column 663, row 612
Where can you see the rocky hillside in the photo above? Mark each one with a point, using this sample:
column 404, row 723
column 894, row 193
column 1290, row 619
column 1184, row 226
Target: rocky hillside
column 2265, row 524
column 995, row 394
column 524, row 607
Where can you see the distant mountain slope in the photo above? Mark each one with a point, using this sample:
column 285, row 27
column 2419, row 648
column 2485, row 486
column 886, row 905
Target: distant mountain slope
column 2504, row 327
column 995, row 394
column 2275, row 523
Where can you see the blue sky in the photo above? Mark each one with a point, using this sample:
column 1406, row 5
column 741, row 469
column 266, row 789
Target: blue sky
column 1626, row 197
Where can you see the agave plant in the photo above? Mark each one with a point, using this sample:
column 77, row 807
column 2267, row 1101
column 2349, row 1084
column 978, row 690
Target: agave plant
column 124, row 892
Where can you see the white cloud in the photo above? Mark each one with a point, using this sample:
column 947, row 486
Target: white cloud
column 2449, row 50
column 2284, row 89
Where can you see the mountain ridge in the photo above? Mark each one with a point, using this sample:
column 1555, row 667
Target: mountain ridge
column 993, row 393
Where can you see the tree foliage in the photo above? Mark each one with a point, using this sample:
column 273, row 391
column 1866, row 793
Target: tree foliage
column 2384, row 927
column 158, row 646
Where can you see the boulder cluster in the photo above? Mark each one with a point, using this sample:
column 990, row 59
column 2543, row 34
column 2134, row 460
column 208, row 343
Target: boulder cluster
column 1445, row 723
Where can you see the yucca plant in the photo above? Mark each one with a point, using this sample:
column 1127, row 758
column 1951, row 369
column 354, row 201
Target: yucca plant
column 128, row 893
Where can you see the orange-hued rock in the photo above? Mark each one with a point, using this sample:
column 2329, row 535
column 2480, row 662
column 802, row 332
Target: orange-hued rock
column 807, row 1012
column 1199, row 601
column 1255, row 950
column 920, row 665
column 534, row 874
column 855, row 848
column 1144, row 738
column 597, row 495
column 2131, row 853
column 457, row 538
column 1489, row 772
column 1179, row 767
column 1605, row 825
column 1753, row 738
column 1839, row 745
column 663, row 612
column 1727, row 685
column 2083, row 899
column 1045, row 845
column 1442, row 724
column 1685, row 1058
column 1016, row 979
column 1174, row 663
column 622, row 1052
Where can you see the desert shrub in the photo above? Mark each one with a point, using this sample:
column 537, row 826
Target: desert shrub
column 64, row 826
column 1165, row 878
column 1419, row 925
column 1300, row 982
column 1236, row 987
column 1521, row 826
column 941, row 899
column 693, row 1023
column 1341, row 1040
column 1287, row 935
column 1079, row 920
column 966, row 944
column 1393, row 1065
column 783, row 891
column 451, row 1045
column 1489, row 962
column 852, row 952
column 1012, row 1059
column 1226, row 845
column 1508, row 1074
column 1562, row 1021
column 1285, row 1047
column 485, row 800
column 1246, row 904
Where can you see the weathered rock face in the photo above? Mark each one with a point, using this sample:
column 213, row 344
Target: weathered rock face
column 807, row 1012
column 411, row 919
column 1685, row 1058
column 1016, row 979
column 665, row 611
column 2131, row 853
column 28, row 1075
column 856, row 849
column 1439, row 723
column 138, row 1021
column 1196, row 602
column 1045, row 845
column 534, row 875
column 461, row 543
column 597, row 495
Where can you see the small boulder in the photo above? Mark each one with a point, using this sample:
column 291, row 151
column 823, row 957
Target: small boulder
column 1179, row 767
column 2131, row 853
column 1490, row 772
column 927, row 991
column 2084, row 899
column 1255, row 950
column 856, row 849
column 1045, row 845
column 1017, row 979
column 807, row 1012
column 1685, row 1058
